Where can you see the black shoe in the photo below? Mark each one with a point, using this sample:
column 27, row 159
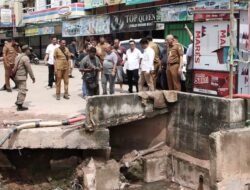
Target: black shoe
column 21, row 108
column 58, row 97
column 8, row 90
column 70, row 76
column 66, row 97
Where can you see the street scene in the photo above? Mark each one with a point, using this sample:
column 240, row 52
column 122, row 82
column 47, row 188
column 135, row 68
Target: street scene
column 124, row 94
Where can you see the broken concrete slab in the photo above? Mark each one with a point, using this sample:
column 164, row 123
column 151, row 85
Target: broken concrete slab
column 119, row 109
column 108, row 176
column 56, row 138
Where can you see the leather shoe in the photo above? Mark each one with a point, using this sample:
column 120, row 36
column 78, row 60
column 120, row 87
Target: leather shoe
column 66, row 97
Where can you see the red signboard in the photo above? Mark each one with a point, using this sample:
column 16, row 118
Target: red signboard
column 213, row 83
column 213, row 16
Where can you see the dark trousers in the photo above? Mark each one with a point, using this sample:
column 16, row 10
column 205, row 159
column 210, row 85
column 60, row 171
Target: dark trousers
column 51, row 75
column 133, row 77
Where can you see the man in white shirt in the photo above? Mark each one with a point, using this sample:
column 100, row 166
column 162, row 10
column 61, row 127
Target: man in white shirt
column 132, row 63
column 147, row 66
column 49, row 60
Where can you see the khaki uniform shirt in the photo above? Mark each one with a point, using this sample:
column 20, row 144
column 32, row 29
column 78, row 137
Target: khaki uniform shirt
column 156, row 49
column 62, row 61
column 23, row 67
column 174, row 54
column 9, row 54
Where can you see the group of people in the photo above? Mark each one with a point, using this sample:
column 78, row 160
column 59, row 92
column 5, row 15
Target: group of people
column 152, row 68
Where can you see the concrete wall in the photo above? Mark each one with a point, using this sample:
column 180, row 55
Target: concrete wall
column 138, row 135
column 230, row 160
column 194, row 117
column 119, row 109
column 185, row 126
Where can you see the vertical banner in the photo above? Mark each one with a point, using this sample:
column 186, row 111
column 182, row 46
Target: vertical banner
column 211, row 45
column 6, row 18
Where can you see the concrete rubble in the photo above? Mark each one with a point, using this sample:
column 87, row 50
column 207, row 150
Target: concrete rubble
column 203, row 145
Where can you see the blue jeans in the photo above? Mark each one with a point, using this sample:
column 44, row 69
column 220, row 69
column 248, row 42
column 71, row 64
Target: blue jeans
column 84, row 88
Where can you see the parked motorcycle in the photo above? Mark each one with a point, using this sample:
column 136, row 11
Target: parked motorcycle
column 33, row 58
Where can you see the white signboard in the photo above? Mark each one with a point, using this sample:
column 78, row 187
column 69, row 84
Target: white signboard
column 211, row 45
column 6, row 17
column 40, row 5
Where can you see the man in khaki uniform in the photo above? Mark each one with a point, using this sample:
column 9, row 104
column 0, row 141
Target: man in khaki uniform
column 62, row 57
column 9, row 55
column 175, row 64
column 157, row 59
column 23, row 68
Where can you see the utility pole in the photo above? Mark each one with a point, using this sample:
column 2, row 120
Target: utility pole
column 231, row 51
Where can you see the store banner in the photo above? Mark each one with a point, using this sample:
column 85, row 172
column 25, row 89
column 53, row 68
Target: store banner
column 212, row 83
column 134, row 2
column 87, row 4
column 87, row 26
column 6, row 18
column 97, row 3
column 35, row 31
column 211, row 42
column 31, row 31
column 142, row 20
column 72, row 28
column 95, row 25
column 113, row 2
column 219, row 4
column 176, row 13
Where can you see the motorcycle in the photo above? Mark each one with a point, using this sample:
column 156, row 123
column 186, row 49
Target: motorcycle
column 33, row 58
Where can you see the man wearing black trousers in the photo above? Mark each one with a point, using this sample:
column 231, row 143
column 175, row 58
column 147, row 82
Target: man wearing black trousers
column 132, row 63
column 49, row 60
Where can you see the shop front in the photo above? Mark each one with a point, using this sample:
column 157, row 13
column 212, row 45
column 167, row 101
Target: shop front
column 136, row 24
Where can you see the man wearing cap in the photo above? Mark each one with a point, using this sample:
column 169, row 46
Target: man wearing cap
column 9, row 55
column 62, row 58
column 22, row 68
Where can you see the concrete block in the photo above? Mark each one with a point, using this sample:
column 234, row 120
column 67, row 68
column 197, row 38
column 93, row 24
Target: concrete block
column 155, row 169
column 186, row 170
column 230, row 158
column 56, row 138
column 108, row 176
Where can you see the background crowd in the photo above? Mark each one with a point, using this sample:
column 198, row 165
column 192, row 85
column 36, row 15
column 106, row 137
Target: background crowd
column 143, row 65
